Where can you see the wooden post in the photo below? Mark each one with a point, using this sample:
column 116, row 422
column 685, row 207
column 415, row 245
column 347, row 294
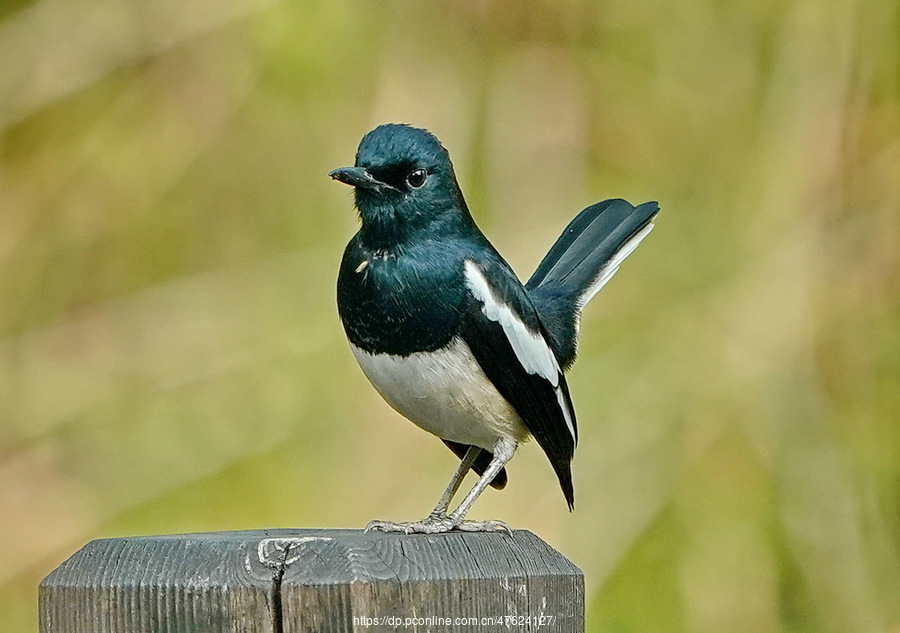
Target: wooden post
column 288, row 581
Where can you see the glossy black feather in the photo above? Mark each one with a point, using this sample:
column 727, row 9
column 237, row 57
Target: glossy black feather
column 402, row 287
column 532, row 396
column 416, row 299
column 402, row 301
column 570, row 267
column 481, row 462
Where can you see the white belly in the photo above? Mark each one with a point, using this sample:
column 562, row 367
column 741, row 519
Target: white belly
column 444, row 392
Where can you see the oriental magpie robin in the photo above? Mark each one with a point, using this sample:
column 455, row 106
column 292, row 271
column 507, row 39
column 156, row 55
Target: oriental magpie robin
column 444, row 330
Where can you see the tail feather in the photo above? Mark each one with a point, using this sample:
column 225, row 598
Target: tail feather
column 585, row 257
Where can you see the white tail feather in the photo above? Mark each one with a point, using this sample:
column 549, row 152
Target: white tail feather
column 606, row 273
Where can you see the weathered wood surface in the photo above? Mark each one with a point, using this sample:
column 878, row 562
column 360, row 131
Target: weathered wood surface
column 288, row 581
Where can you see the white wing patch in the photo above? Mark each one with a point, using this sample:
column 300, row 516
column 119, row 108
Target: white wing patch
column 530, row 347
column 612, row 266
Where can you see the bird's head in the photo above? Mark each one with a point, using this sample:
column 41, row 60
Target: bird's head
column 404, row 183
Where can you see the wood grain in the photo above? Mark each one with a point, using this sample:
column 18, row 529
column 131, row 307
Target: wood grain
column 292, row 581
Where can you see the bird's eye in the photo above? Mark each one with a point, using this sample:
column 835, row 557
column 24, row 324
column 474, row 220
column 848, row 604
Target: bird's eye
column 416, row 178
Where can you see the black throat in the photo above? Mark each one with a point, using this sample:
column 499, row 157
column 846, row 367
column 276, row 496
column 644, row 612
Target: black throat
column 403, row 298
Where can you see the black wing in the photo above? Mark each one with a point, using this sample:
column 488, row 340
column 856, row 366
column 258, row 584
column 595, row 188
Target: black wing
column 504, row 332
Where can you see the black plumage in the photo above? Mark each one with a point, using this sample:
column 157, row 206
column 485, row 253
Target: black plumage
column 439, row 321
column 572, row 264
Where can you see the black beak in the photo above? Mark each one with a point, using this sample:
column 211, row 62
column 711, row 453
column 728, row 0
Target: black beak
column 359, row 177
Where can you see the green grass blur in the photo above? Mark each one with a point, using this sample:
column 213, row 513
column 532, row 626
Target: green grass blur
column 171, row 358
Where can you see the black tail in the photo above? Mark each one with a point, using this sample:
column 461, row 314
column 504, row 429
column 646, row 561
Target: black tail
column 583, row 259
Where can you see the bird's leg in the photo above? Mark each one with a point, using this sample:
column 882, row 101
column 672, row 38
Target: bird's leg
column 504, row 449
column 440, row 510
column 439, row 514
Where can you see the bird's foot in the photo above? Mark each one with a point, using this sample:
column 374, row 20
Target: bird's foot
column 484, row 526
column 436, row 523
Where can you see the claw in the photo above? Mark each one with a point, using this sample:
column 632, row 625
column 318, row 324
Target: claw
column 428, row 525
column 383, row 526
column 437, row 524
column 484, row 526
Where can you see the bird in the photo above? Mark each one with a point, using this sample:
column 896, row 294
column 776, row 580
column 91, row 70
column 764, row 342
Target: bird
column 444, row 329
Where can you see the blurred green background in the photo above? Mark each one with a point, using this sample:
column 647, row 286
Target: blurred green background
column 171, row 358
